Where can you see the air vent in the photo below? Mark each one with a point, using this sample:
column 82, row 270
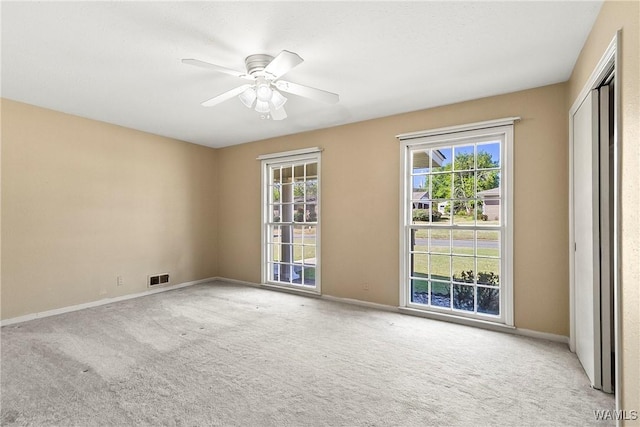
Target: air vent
column 159, row 279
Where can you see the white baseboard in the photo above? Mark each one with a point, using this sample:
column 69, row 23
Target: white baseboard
column 413, row 312
column 496, row 327
column 100, row 302
column 285, row 289
column 542, row 335
column 237, row 282
column 310, row 294
column 361, row 303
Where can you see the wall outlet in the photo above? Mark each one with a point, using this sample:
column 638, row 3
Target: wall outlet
column 365, row 287
column 119, row 281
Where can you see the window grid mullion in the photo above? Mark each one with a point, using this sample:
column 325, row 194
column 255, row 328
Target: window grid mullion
column 458, row 177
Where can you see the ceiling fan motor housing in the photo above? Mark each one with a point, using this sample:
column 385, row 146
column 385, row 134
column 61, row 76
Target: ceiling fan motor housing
column 256, row 63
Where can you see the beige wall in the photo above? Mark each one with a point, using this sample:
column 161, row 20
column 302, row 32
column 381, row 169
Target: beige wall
column 85, row 201
column 360, row 202
column 626, row 16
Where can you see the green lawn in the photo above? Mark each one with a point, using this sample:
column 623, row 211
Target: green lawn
column 308, row 249
column 442, row 266
column 441, row 288
column 443, row 233
column 309, row 273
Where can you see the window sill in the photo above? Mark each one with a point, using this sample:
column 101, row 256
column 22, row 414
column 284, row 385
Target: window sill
column 452, row 318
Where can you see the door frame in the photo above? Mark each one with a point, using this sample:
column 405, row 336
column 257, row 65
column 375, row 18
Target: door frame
column 609, row 62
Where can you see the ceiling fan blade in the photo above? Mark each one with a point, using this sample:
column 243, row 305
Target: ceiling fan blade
column 277, row 113
column 226, row 95
column 202, row 64
column 307, row 92
column 282, row 63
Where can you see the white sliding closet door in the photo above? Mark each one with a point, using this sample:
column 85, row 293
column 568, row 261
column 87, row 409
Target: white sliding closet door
column 587, row 239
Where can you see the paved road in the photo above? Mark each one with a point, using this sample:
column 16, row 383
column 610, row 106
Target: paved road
column 420, row 241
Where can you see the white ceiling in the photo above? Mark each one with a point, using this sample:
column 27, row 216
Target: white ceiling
column 119, row 62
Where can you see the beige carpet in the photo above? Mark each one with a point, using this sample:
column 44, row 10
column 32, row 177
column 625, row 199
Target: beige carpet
column 222, row 354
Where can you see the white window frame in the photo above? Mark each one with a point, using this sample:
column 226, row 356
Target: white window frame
column 451, row 135
column 286, row 158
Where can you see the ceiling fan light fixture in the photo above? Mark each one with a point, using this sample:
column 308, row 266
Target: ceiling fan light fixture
column 263, row 91
column 248, row 97
column 277, row 99
column 262, row 106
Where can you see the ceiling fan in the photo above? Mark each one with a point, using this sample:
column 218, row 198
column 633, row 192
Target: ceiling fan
column 262, row 94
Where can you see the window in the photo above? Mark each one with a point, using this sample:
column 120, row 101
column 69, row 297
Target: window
column 456, row 222
column 291, row 220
